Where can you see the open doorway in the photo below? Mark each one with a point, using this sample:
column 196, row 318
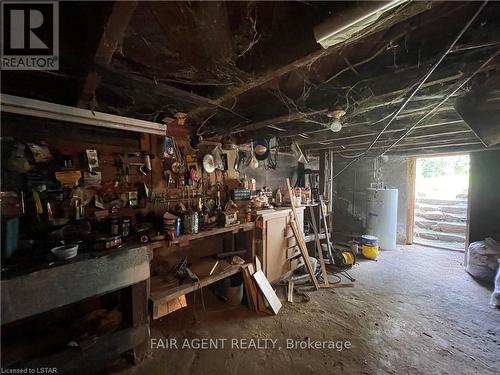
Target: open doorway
column 441, row 191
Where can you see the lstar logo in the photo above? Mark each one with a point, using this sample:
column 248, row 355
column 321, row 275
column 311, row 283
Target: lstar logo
column 30, row 35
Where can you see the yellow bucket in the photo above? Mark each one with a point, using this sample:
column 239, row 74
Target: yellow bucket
column 370, row 252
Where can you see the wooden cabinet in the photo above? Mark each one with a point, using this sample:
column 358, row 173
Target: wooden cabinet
column 275, row 245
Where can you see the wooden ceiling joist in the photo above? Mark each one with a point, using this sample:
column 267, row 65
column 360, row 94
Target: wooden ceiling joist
column 111, row 37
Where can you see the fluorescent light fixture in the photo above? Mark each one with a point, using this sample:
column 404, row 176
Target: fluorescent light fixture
column 38, row 108
column 340, row 28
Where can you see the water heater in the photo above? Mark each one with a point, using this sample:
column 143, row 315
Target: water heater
column 382, row 216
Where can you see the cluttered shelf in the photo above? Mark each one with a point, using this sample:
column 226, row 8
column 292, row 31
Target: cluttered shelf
column 207, row 272
column 215, row 231
column 186, row 238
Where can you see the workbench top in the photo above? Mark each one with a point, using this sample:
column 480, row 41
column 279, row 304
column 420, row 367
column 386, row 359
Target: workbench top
column 72, row 281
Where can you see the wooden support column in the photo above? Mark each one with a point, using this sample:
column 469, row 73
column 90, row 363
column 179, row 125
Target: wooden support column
column 111, row 37
column 322, row 174
column 329, row 187
column 140, row 297
column 410, row 210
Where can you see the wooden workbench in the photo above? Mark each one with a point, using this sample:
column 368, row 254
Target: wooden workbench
column 124, row 270
column 162, row 292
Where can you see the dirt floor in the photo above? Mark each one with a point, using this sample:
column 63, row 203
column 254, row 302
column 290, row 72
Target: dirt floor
column 414, row 311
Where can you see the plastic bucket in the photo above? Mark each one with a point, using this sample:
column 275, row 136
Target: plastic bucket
column 370, row 252
column 233, row 289
column 369, row 240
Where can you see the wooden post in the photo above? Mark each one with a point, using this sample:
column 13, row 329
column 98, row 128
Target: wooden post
column 410, row 210
column 139, row 299
column 322, row 172
column 330, row 192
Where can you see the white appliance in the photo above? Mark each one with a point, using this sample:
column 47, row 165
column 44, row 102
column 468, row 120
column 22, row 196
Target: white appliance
column 382, row 216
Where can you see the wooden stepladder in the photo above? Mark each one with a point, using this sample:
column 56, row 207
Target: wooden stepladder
column 319, row 248
column 299, row 238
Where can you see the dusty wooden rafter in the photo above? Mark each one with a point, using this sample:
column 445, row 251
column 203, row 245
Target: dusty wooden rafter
column 112, row 36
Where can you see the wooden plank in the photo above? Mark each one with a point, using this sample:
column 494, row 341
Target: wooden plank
column 163, row 309
column 213, row 232
column 112, row 36
column 251, row 287
column 290, row 291
column 410, row 200
column 258, row 264
column 246, row 281
column 261, row 303
column 327, row 230
column 267, row 291
column 318, row 247
column 305, row 254
column 300, row 237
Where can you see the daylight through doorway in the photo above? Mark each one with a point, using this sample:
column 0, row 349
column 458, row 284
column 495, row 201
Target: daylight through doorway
column 441, row 190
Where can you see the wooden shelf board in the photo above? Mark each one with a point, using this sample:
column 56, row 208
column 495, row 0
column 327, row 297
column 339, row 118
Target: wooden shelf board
column 213, row 232
column 310, row 237
column 162, row 292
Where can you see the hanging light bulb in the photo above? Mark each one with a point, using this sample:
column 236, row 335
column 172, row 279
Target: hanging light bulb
column 335, row 125
column 336, row 115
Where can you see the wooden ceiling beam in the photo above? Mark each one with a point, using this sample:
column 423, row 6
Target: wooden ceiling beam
column 111, row 37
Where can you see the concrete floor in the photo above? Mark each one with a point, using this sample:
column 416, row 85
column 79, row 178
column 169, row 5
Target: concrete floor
column 414, row 311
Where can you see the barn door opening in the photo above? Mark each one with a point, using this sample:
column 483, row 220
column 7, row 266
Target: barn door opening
column 440, row 206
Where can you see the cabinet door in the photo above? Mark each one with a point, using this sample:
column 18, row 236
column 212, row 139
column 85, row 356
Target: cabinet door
column 276, row 262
